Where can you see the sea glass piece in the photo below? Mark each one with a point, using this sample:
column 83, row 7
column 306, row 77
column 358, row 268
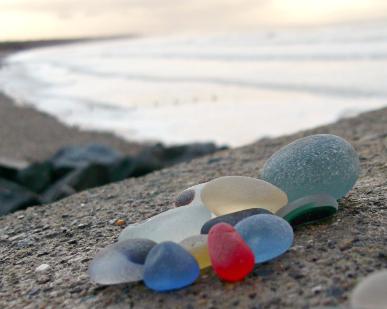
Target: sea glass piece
column 198, row 246
column 322, row 163
column 309, row 209
column 173, row 225
column 169, row 266
column 120, row 262
column 230, row 194
column 371, row 292
column 190, row 196
column 232, row 218
column 268, row 236
column 231, row 258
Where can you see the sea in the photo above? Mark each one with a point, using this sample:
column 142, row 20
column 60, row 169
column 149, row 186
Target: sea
column 230, row 88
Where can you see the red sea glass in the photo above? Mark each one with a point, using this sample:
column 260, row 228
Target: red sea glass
column 231, row 257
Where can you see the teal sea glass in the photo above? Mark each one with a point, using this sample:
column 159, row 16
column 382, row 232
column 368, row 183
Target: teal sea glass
column 169, row 266
column 268, row 236
column 322, row 163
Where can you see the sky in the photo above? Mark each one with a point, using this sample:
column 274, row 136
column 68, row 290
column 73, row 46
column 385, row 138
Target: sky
column 43, row 19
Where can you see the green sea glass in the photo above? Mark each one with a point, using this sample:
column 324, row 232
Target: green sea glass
column 309, row 209
column 322, row 163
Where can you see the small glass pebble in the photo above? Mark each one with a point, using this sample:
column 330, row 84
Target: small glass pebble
column 232, row 218
column 229, row 194
column 309, row 209
column 268, row 236
column 198, row 246
column 322, row 163
column 120, row 262
column 371, row 292
column 169, row 266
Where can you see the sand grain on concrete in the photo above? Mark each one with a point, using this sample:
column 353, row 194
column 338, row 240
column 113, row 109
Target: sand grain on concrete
column 324, row 264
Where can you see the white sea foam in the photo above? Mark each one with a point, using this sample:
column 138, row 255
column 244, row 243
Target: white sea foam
column 231, row 89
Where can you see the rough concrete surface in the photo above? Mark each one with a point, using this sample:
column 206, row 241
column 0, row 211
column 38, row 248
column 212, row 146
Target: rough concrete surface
column 324, row 264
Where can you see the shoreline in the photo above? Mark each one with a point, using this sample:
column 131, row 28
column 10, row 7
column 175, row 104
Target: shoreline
column 27, row 134
column 30, row 135
column 325, row 263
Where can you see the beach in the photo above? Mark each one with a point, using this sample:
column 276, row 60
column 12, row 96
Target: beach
column 29, row 135
column 325, row 263
column 198, row 88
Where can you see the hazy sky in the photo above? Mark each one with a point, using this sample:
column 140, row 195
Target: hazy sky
column 32, row 19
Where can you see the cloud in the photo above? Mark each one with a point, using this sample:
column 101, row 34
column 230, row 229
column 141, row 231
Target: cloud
column 56, row 18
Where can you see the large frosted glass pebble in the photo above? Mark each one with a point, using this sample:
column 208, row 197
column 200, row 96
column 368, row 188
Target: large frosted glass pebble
column 172, row 225
column 232, row 218
column 371, row 293
column 309, row 209
column 268, row 236
column 198, row 246
column 229, row 194
column 120, row 262
column 231, row 257
column 190, row 196
column 169, row 266
column 322, row 163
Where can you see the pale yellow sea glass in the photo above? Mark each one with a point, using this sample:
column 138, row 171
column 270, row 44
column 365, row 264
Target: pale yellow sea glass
column 229, row 194
column 198, row 247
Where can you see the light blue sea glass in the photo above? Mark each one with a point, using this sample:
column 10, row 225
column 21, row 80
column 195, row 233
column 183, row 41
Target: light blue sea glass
column 121, row 262
column 268, row 236
column 169, row 266
column 322, row 163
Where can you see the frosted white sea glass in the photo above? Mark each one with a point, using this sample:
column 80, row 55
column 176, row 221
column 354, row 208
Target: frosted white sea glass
column 172, row 225
column 120, row 262
column 371, row 292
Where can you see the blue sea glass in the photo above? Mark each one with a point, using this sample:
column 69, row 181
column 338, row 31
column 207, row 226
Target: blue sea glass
column 232, row 218
column 322, row 163
column 169, row 266
column 120, row 262
column 268, row 236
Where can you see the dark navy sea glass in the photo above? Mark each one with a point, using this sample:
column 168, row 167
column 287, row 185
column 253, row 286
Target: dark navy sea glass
column 233, row 218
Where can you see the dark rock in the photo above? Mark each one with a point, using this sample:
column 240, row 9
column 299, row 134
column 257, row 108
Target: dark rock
column 36, row 177
column 76, row 157
column 14, row 197
column 10, row 168
column 181, row 153
column 158, row 156
column 121, row 169
column 90, row 176
column 145, row 162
